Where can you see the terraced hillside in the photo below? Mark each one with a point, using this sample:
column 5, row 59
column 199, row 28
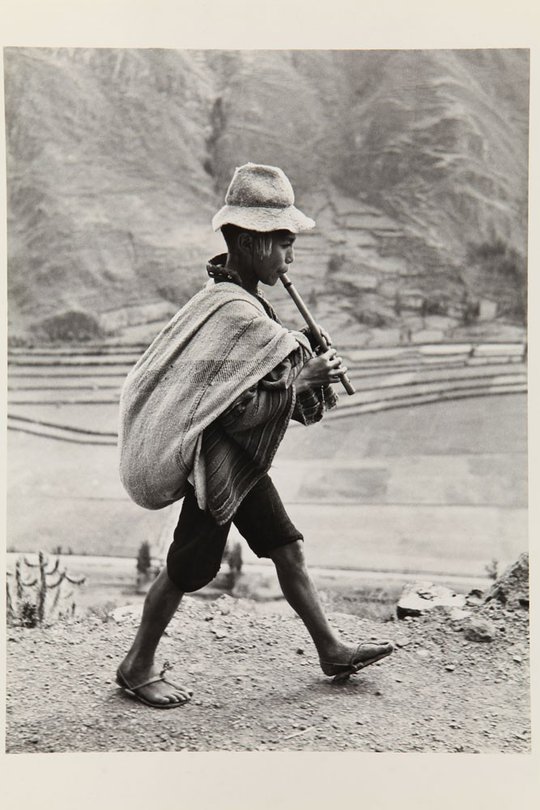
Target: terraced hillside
column 423, row 470
column 68, row 395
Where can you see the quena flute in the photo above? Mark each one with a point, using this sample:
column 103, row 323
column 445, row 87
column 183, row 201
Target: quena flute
column 315, row 331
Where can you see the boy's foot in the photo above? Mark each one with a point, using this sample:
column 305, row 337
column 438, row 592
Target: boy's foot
column 153, row 689
column 352, row 660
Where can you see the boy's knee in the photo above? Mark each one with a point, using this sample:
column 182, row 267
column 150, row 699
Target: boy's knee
column 289, row 556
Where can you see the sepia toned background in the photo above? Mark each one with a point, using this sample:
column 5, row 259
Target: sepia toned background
column 415, row 166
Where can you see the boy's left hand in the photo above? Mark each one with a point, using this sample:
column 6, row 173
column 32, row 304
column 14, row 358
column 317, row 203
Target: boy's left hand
column 325, row 335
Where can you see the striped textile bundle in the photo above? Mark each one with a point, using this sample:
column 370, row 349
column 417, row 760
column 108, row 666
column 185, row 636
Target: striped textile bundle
column 218, row 346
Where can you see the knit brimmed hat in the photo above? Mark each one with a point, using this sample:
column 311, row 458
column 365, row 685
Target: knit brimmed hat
column 261, row 198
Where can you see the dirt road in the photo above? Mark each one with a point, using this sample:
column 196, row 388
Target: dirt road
column 257, row 686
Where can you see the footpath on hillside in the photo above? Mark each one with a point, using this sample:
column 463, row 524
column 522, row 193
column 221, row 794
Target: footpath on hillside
column 458, row 681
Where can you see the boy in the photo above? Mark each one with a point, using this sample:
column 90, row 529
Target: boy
column 202, row 415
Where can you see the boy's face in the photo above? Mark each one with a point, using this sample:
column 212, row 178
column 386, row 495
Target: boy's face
column 269, row 268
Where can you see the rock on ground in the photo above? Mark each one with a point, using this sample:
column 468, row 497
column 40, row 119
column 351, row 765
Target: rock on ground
column 512, row 587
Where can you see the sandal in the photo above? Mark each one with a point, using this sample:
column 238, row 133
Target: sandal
column 133, row 690
column 341, row 672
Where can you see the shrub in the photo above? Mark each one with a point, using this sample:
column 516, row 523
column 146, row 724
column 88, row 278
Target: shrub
column 335, row 263
column 73, row 325
column 433, row 306
column 499, row 259
column 503, row 275
column 28, row 614
column 102, row 612
column 486, row 250
column 369, row 317
column 144, row 559
column 470, row 312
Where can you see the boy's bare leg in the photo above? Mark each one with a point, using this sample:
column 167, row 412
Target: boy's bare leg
column 301, row 594
column 138, row 666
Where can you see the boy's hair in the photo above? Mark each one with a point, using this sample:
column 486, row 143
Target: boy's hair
column 262, row 242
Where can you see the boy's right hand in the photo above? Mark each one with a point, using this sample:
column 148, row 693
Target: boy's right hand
column 321, row 370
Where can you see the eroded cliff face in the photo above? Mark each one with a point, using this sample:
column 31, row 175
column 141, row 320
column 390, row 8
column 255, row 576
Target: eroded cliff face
column 117, row 160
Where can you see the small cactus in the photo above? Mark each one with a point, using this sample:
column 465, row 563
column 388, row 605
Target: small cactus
column 28, row 606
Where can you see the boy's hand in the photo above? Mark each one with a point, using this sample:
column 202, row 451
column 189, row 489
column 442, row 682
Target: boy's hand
column 321, row 370
column 325, row 335
column 313, row 340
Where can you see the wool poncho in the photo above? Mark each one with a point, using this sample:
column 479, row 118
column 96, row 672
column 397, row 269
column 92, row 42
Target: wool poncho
column 221, row 344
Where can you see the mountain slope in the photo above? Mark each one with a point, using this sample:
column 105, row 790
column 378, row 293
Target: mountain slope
column 117, row 160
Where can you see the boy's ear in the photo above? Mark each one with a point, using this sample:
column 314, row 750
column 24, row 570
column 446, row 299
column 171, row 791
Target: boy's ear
column 245, row 243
